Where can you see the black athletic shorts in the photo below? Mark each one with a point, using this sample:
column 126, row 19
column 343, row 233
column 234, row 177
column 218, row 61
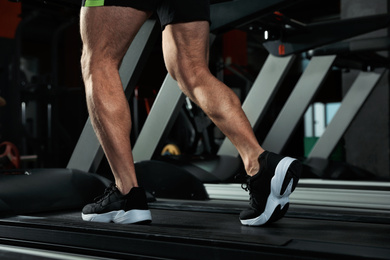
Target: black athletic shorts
column 168, row 11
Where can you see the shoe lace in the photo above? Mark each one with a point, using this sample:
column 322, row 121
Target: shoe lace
column 248, row 187
column 107, row 192
column 245, row 186
column 245, row 181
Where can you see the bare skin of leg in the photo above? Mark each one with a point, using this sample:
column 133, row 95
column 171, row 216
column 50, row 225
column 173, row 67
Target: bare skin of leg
column 106, row 33
column 186, row 48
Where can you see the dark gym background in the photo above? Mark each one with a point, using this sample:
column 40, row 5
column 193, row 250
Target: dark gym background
column 40, row 79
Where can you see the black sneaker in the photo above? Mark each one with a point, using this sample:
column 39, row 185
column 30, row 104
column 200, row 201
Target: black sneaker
column 270, row 189
column 118, row 208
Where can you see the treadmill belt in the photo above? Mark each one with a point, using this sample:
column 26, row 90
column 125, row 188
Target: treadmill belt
column 179, row 234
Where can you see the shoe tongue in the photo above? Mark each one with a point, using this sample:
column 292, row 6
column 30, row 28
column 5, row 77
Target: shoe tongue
column 114, row 189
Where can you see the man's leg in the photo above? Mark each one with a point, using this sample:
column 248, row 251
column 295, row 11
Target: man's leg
column 107, row 32
column 186, row 47
column 273, row 177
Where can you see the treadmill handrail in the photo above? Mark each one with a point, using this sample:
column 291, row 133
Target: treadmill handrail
column 314, row 35
column 232, row 13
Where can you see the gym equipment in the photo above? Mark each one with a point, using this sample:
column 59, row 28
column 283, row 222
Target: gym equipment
column 230, row 14
column 39, row 190
column 298, row 37
column 333, row 170
column 9, row 158
column 170, row 182
column 300, row 98
column 352, row 102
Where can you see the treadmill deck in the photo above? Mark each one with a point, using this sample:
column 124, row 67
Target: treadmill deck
column 211, row 229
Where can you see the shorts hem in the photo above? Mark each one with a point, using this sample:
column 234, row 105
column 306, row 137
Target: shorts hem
column 185, row 21
column 121, row 3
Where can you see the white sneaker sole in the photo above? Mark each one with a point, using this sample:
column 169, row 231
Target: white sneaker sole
column 120, row 216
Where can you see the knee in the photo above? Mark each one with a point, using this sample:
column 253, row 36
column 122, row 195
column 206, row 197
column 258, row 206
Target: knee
column 94, row 72
column 85, row 62
column 86, row 72
column 93, row 62
column 96, row 68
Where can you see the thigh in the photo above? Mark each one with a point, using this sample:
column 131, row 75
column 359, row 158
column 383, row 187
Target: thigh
column 107, row 31
column 180, row 11
column 186, row 47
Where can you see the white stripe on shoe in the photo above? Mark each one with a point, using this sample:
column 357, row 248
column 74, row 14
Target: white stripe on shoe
column 103, row 217
column 133, row 216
